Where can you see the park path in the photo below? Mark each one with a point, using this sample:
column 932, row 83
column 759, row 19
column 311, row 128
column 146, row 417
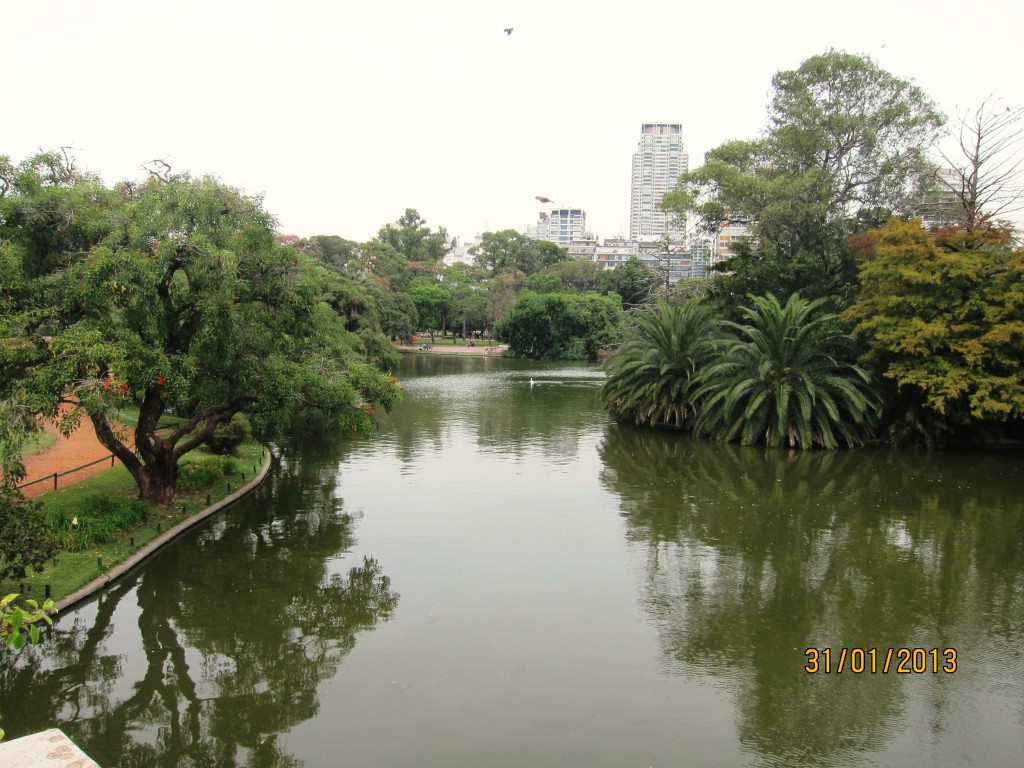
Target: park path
column 82, row 447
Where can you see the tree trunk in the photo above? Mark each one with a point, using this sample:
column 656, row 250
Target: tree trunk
column 158, row 480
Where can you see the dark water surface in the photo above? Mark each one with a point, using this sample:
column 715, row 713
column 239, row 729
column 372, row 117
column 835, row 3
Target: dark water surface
column 504, row 578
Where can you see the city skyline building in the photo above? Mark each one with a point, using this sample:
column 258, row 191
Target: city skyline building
column 657, row 164
column 561, row 225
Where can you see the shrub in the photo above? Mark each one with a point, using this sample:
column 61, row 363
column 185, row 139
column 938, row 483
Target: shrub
column 653, row 376
column 96, row 520
column 226, row 437
column 787, row 380
column 25, row 539
column 199, row 474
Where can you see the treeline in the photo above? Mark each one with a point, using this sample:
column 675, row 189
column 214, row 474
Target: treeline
column 879, row 295
column 525, row 292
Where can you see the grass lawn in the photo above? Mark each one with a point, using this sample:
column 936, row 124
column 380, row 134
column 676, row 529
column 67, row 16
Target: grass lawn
column 128, row 415
column 38, row 442
column 72, row 570
column 424, row 338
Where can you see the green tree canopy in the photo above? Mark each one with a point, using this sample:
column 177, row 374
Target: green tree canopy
column 942, row 316
column 433, row 304
column 845, row 147
column 511, row 251
column 172, row 293
column 560, row 326
column 467, row 286
column 579, row 275
column 634, row 282
column 411, row 237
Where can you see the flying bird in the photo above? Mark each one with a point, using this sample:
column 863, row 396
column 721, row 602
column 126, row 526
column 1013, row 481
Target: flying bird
column 543, row 199
column 508, row 30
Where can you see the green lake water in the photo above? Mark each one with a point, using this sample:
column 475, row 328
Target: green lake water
column 504, row 577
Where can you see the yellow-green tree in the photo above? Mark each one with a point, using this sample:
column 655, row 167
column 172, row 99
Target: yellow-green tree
column 942, row 316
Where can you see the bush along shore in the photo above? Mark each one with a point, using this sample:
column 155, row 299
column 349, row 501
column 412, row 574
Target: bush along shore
column 100, row 522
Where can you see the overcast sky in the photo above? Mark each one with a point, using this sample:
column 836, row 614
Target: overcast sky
column 342, row 115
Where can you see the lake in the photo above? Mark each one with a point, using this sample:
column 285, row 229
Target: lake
column 505, row 577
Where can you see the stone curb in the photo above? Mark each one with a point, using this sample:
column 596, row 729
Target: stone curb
column 119, row 570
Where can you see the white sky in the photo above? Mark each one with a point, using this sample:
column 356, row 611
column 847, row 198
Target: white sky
column 345, row 114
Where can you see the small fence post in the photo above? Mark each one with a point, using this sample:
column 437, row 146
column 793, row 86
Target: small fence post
column 55, row 481
column 111, row 459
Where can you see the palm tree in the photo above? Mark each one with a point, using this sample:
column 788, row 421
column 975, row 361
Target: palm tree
column 786, row 380
column 652, row 376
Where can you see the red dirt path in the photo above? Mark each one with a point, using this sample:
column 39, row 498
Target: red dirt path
column 67, row 453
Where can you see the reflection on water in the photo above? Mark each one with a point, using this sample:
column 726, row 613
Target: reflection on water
column 190, row 663
column 752, row 556
column 574, row 593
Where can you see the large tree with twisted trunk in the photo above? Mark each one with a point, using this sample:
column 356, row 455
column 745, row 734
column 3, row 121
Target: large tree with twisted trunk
column 171, row 293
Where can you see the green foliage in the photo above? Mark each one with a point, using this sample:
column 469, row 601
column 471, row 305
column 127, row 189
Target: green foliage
column 578, row 275
column 943, row 318
column 634, row 282
column 467, row 286
column 175, row 291
column 785, row 380
column 559, row 326
column 15, row 620
column 226, row 437
column 26, row 542
column 433, row 303
column 543, row 282
column 411, row 237
column 96, row 519
column 335, row 250
column 653, row 376
column 845, row 146
column 511, row 251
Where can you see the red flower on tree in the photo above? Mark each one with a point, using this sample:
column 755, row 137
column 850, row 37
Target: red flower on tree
column 160, row 380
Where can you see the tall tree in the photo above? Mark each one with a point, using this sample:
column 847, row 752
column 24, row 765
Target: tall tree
column 845, row 146
column 468, row 290
column 981, row 182
column 433, row 305
column 510, row 251
column 580, row 275
column 560, row 326
column 172, row 293
column 411, row 236
column 634, row 281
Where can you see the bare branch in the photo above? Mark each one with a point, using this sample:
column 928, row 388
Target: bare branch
column 982, row 178
column 158, row 168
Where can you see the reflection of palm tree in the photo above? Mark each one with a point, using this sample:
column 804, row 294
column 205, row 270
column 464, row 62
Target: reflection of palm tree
column 752, row 555
column 652, row 377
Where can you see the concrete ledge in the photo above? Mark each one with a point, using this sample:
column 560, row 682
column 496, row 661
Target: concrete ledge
column 47, row 749
column 119, row 570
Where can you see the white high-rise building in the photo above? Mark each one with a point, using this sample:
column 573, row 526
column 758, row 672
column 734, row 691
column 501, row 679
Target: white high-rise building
column 657, row 163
